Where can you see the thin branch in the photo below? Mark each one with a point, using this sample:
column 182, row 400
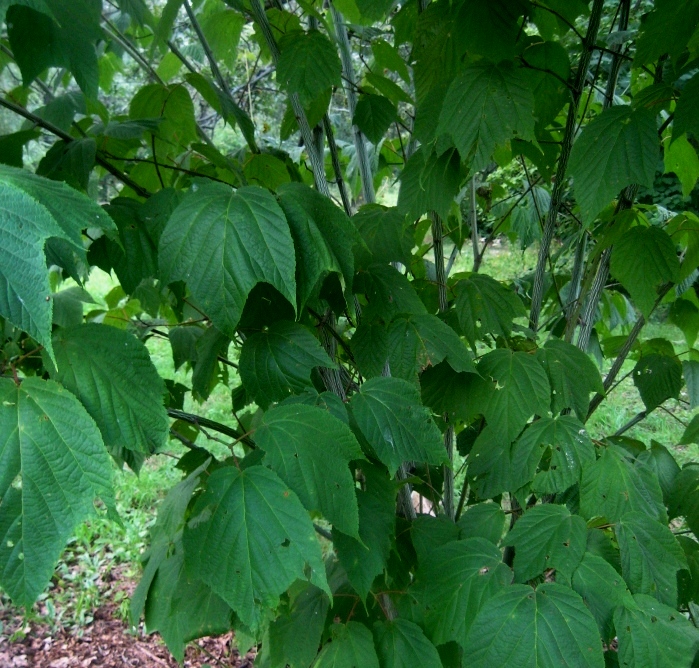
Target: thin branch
column 639, row 417
column 199, row 421
column 50, row 127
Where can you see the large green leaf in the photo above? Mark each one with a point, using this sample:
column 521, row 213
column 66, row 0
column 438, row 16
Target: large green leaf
column 429, row 182
column 685, row 113
column 490, row 28
column 547, row 536
column 396, row 425
column 658, row 378
column 352, row 646
column 617, row 148
column 521, row 391
column 310, row 450
column 572, row 374
column 486, row 106
column 324, row 238
column 111, row 372
column 52, row 446
column 181, row 607
column 650, row 556
column 402, row 644
column 223, row 243
column 684, row 496
column 222, row 30
column 616, row 484
column 374, row 115
column 63, row 36
column 33, row 210
column 653, row 634
column 483, row 520
column 278, row 362
column 643, row 260
column 388, row 292
column 453, row 583
column 308, row 64
column 550, row 72
column 546, row 628
column 249, row 539
column 570, row 450
column 366, row 558
column 294, row 636
column 417, row 342
column 667, row 29
column 385, row 233
column 602, row 589
column 486, row 306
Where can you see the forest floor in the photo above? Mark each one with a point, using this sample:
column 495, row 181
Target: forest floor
column 82, row 619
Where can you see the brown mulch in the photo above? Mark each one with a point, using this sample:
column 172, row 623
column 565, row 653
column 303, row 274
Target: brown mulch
column 106, row 642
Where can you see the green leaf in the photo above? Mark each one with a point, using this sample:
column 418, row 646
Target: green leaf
column 547, row 536
column 374, row 115
column 616, row 484
column 310, row 450
column 660, row 460
column 547, row 79
column 12, row 146
column 453, row 583
column 324, row 238
column 388, row 292
column 419, row 341
column 685, row 315
column 41, row 209
column 548, row 628
column 388, row 57
column 486, row 306
column 602, row 589
column 483, row 520
column 657, row 378
column 111, row 372
column 429, row 182
column 352, row 646
column 486, row 106
column 570, row 450
column 522, row 390
column 428, row 532
column 65, row 38
column 364, row 560
column 684, row 495
column 681, row 159
column 667, row 29
column 402, row 644
column 222, row 31
column 308, row 64
column 209, row 346
column 223, row 243
column 386, row 235
column 396, row 425
column 572, row 374
column 249, row 539
column 653, row 634
column 294, row 636
column 650, row 556
column 53, row 447
column 278, row 362
column 173, row 106
column 685, row 113
column 643, row 260
column 369, row 346
column 183, row 608
column 617, row 148
column 71, row 162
